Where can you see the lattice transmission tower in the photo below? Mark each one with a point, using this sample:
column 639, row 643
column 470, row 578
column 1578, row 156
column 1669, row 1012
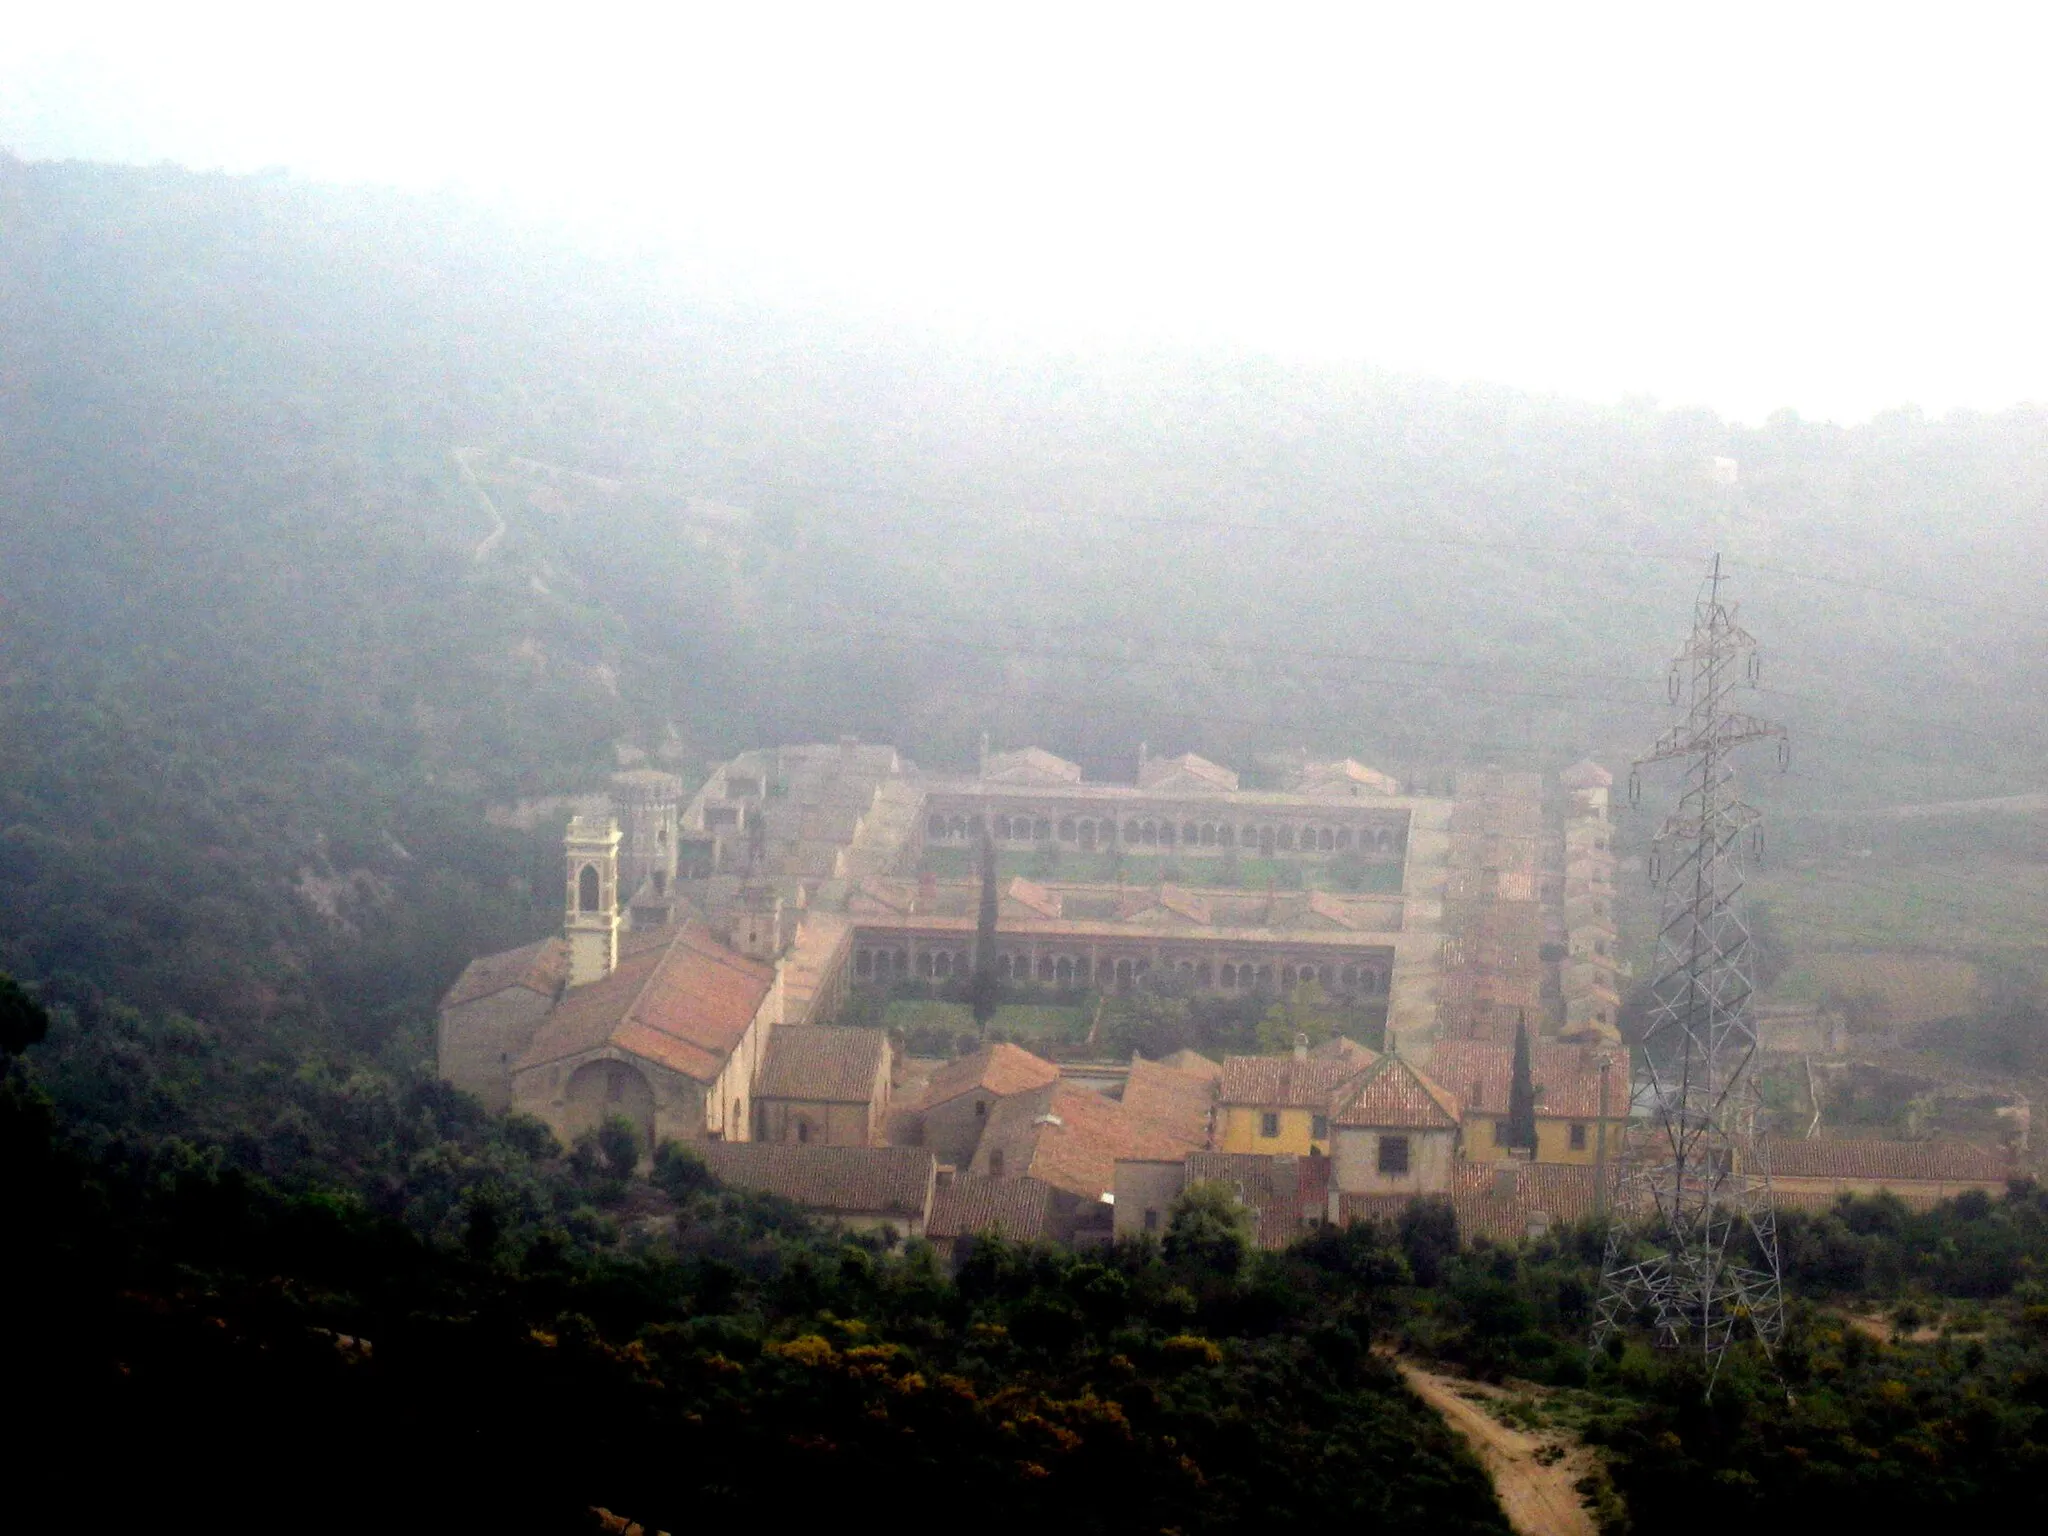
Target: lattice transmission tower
column 1692, row 1248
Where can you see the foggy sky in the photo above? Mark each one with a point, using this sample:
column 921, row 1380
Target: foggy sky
column 1836, row 209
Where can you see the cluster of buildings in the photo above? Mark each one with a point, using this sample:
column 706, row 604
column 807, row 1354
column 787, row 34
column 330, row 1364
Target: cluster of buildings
column 708, row 943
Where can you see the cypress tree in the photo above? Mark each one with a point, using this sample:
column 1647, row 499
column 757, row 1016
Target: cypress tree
column 1522, row 1095
column 981, row 994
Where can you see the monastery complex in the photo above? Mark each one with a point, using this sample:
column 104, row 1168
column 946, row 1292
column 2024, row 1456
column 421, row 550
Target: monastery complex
column 710, row 943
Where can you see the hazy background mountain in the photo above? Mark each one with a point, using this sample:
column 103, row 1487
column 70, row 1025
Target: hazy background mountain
column 269, row 657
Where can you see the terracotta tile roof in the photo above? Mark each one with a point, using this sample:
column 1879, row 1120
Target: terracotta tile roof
column 1195, row 772
column 999, row 1069
column 876, row 893
column 1905, row 1161
column 850, row 1181
column 539, row 967
column 1069, row 1137
column 823, row 1064
column 682, row 1004
column 823, row 942
column 1281, row 1192
column 1344, row 1048
column 1497, row 1200
column 1032, row 765
column 1345, row 776
column 1392, row 1092
column 1281, row 1082
column 1334, row 909
column 1018, row 1209
column 1185, row 1060
column 1034, row 897
column 1166, row 899
column 1567, row 1078
column 1178, row 1103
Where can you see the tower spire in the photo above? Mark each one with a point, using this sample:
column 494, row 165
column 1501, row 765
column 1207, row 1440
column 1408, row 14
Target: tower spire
column 1693, row 1243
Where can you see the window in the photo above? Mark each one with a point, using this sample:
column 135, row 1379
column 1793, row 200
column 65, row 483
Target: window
column 586, row 889
column 1500, row 1133
column 1151, row 1219
column 981, row 1109
column 1393, row 1154
column 1319, row 1127
column 803, row 1132
column 1578, row 1138
column 995, row 1164
column 1269, row 1124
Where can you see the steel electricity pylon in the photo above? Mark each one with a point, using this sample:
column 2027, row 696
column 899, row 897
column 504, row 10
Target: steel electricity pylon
column 1692, row 1249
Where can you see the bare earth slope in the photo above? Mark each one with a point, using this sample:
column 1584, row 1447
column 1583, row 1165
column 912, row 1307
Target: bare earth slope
column 1538, row 1499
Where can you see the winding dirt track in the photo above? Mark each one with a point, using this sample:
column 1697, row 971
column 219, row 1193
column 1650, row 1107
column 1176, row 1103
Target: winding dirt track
column 1538, row 1500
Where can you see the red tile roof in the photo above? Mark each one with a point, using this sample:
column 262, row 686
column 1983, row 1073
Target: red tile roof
column 1281, row 1192
column 1567, row 1078
column 1034, row 897
column 683, row 1004
column 1071, row 1138
column 1903, row 1161
column 1178, row 1103
column 847, row 1181
column 1344, row 1048
column 1155, row 771
column 997, row 1069
column 1284, row 1083
column 539, row 967
column 1018, row 1209
column 1392, row 1092
column 1031, row 765
column 824, row 1064
column 1496, row 1201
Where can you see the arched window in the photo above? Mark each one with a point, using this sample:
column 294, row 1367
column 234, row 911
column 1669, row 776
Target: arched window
column 1287, row 976
column 1208, row 834
column 864, row 962
column 587, row 889
column 1045, row 967
column 1149, row 834
column 902, row 962
column 1067, row 829
column 1191, row 833
column 1131, row 832
column 1326, row 839
column 1002, row 967
column 936, row 827
column 803, row 1131
column 1285, row 839
column 1350, row 975
column 1002, row 826
column 924, row 964
column 1328, row 977
column 1228, row 975
column 1064, row 972
column 1265, row 976
column 959, row 826
column 1225, row 837
column 1166, row 834
column 1203, row 975
column 1343, row 839
column 1087, row 834
column 1042, row 831
column 942, row 964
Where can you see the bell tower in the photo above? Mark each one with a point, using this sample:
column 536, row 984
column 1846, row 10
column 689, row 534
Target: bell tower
column 649, row 804
column 591, row 920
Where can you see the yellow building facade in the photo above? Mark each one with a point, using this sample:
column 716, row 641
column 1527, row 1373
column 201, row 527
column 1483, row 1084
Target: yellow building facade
column 1281, row 1104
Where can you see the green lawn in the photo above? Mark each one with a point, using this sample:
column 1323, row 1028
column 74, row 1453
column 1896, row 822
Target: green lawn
column 1022, row 1022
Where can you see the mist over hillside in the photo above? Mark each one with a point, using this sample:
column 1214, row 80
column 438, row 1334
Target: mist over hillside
column 332, row 517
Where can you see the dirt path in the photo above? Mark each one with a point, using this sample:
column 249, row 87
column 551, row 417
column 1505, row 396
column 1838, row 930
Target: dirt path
column 490, row 540
column 1538, row 1499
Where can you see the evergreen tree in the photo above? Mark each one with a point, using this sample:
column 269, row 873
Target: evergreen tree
column 1522, row 1095
column 981, row 994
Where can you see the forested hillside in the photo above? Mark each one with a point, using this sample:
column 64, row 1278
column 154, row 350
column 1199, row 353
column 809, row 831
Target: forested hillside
column 328, row 518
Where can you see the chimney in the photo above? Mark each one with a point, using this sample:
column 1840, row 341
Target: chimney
column 1301, row 1047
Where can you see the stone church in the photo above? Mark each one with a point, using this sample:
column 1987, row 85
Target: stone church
column 691, row 1026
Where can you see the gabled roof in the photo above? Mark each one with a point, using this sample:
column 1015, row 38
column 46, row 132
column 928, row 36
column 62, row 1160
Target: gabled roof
column 850, row 1181
column 1184, row 772
column 1344, row 1048
column 1334, row 909
column 1177, row 1103
column 1281, row 1082
column 539, row 967
column 1187, row 1060
column 683, row 1004
column 1033, row 897
column 1170, row 900
column 1069, row 1137
column 1586, row 774
column 823, row 1064
column 1496, row 1200
column 876, row 893
column 1345, row 776
column 1001, row 1069
column 1904, row 1161
column 1279, row 1191
column 1393, row 1094
column 1566, row 1077
column 1033, row 765
column 1017, row 1209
